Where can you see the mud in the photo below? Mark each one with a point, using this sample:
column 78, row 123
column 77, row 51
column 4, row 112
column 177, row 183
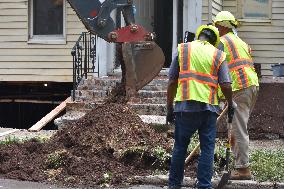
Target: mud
column 109, row 145
column 267, row 118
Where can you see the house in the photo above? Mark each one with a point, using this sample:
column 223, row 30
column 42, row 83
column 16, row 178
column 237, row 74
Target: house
column 37, row 36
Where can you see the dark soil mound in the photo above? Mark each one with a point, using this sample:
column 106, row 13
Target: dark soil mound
column 267, row 118
column 107, row 146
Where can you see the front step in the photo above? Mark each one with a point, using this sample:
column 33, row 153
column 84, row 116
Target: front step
column 150, row 109
column 145, row 96
column 141, row 109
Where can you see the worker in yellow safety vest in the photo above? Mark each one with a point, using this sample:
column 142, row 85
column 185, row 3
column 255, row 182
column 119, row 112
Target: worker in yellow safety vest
column 197, row 69
column 245, row 89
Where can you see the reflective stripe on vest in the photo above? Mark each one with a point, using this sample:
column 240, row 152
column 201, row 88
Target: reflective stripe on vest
column 186, row 74
column 237, row 63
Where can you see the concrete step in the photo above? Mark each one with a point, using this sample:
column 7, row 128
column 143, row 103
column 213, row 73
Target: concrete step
column 150, row 109
column 141, row 109
column 142, row 96
column 91, row 95
column 153, row 100
column 152, row 94
column 107, row 83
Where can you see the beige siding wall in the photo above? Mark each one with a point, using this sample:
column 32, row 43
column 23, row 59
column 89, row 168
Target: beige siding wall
column 206, row 11
column 20, row 61
column 265, row 39
column 210, row 9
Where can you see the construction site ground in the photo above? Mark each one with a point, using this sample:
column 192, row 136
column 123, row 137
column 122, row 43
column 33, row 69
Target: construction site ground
column 152, row 183
column 25, row 134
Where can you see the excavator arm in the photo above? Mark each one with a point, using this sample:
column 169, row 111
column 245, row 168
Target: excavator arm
column 142, row 57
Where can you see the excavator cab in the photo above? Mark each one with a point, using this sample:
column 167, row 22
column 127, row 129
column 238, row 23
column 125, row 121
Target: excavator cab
column 142, row 57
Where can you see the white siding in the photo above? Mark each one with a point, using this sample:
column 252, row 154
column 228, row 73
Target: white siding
column 20, row 61
column 265, row 39
column 210, row 9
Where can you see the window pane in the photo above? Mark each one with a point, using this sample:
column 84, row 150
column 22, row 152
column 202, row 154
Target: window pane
column 47, row 17
column 256, row 8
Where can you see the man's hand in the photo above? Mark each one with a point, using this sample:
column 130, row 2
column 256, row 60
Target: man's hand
column 170, row 116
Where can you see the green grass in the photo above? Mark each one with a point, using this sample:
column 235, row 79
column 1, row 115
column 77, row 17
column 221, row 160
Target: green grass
column 10, row 140
column 15, row 140
column 268, row 165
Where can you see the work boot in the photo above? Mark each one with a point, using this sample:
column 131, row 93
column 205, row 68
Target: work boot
column 241, row 174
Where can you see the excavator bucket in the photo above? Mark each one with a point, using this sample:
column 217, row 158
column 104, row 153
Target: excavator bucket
column 143, row 61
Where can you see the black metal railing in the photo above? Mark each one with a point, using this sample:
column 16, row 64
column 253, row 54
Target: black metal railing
column 84, row 59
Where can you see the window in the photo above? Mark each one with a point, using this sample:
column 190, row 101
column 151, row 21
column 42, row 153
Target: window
column 47, row 21
column 254, row 9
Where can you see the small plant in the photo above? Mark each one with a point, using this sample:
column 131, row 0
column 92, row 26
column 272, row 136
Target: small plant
column 268, row 165
column 106, row 182
column 161, row 154
column 10, row 140
column 56, row 159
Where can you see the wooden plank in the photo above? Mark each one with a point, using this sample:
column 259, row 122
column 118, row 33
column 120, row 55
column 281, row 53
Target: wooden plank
column 266, row 73
column 271, row 47
column 7, row 19
column 16, row 38
column 277, row 16
column 264, row 41
column 267, row 54
column 22, row 31
column 36, row 52
column 13, row 25
column 261, row 35
column 8, row 132
column 228, row 3
column 36, row 78
column 277, row 4
column 265, row 60
column 48, row 71
column 20, row 5
column 36, row 65
column 50, row 116
column 205, row 3
column 272, row 29
column 279, row 10
column 20, row 45
column 14, row 12
column 39, row 58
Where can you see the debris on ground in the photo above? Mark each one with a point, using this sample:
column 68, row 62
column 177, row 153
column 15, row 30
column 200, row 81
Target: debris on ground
column 109, row 145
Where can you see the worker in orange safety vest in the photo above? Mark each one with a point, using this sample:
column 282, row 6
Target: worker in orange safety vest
column 245, row 89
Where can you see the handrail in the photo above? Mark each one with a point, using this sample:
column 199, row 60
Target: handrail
column 84, row 59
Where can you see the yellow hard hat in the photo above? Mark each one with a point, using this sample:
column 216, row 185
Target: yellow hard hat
column 209, row 27
column 224, row 16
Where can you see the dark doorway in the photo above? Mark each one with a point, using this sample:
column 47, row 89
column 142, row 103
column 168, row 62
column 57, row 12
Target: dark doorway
column 163, row 27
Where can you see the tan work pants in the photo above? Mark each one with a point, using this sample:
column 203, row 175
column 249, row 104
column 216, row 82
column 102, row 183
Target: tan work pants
column 245, row 100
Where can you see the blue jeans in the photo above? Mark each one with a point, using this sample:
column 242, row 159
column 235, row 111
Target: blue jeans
column 187, row 123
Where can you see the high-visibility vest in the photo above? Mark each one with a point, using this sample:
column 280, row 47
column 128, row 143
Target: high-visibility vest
column 199, row 62
column 239, row 61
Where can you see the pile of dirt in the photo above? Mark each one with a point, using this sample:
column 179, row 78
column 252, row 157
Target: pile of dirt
column 109, row 145
column 267, row 118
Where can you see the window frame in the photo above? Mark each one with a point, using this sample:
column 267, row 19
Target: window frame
column 45, row 39
column 241, row 16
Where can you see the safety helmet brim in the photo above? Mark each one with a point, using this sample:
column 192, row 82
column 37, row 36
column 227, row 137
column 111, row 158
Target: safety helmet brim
column 213, row 29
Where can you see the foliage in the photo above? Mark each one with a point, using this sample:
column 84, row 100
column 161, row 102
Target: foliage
column 106, row 181
column 161, row 154
column 56, row 159
column 10, row 140
column 268, row 165
column 15, row 140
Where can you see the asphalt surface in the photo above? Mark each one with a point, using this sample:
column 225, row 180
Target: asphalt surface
column 15, row 184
